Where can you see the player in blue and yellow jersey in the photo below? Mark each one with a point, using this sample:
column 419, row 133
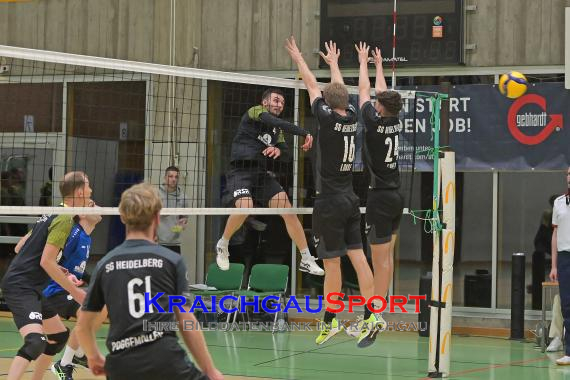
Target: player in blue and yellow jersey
column 58, row 304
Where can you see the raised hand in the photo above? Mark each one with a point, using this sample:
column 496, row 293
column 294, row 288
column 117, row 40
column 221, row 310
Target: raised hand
column 293, row 50
column 362, row 49
column 332, row 53
column 377, row 55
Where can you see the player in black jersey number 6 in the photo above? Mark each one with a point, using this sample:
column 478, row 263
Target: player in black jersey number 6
column 120, row 281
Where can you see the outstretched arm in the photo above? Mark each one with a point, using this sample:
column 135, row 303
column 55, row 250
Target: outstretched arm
column 363, row 82
column 308, row 77
column 285, row 126
column 331, row 58
column 380, row 80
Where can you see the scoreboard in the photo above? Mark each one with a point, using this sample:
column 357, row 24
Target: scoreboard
column 428, row 32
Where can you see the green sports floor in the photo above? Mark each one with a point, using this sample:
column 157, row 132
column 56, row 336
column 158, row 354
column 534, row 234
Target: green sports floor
column 395, row 355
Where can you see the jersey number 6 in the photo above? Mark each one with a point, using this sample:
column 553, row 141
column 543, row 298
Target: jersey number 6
column 136, row 300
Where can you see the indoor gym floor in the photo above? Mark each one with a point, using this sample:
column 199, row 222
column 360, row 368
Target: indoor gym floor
column 395, row 355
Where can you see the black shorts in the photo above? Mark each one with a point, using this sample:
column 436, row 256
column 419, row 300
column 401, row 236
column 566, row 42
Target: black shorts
column 383, row 214
column 25, row 305
column 61, row 304
column 336, row 225
column 162, row 359
column 256, row 183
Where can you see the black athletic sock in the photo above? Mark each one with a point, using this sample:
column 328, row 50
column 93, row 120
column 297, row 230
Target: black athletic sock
column 367, row 312
column 329, row 316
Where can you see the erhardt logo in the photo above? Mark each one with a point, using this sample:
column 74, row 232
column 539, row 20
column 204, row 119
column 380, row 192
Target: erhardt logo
column 520, row 122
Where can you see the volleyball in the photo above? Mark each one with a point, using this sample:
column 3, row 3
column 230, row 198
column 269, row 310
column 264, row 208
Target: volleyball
column 513, row 84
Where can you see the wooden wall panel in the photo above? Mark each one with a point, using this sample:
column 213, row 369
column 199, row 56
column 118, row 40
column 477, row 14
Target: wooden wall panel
column 516, row 32
column 245, row 48
column 219, row 35
column 248, row 34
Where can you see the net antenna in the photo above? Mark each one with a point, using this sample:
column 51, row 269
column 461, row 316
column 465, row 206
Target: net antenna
column 172, row 122
column 394, row 17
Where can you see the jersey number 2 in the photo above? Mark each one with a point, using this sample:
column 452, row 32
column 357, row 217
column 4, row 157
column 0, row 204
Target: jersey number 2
column 136, row 299
column 392, row 148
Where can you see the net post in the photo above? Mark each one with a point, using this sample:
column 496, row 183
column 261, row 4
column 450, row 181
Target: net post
column 443, row 239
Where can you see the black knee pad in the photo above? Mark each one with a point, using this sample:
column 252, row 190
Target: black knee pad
column 60, row 340
column 34, row 346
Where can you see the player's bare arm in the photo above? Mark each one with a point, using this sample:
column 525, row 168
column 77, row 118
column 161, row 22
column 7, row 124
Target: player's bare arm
column 308, row 77
column 49, row 264
column 85, row 330
column 331, row 59
column 380, row 85
column 363, row 81
column 194, row 340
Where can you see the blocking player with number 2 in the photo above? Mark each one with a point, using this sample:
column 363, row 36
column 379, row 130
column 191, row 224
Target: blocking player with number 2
column 380, row 152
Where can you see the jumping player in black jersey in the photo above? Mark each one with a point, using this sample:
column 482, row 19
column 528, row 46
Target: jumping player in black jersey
column 258, row 142
column 336, row 213
column 30, row 272
column 120, row 281
column 380, row 151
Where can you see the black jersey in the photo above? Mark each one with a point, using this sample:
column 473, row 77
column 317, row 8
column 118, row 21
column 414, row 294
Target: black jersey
column 257, row 130
column 25, row 270
column 335, row 143
column 121, row 280
column 380, row 149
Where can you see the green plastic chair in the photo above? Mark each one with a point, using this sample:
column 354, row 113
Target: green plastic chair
column 266, row 280
column 226, row 282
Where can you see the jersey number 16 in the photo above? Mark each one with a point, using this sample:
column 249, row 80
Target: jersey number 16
column 349, row 149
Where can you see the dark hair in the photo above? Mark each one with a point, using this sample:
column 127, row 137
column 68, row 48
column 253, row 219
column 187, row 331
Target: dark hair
column 391, row 100
column 267, row 93
column 71, row 182
column 171, row 169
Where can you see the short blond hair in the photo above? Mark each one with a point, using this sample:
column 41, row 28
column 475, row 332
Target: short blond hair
column 139, row 205
column 336, row 95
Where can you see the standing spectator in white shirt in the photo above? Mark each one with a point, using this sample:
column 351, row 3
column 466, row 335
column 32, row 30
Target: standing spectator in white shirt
column 561, row 260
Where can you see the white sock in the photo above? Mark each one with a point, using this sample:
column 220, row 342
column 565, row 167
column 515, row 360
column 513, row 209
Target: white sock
column 305, row 253
column 223, row 242
column 377, row 305
column 79, row 352
column 67, row 356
